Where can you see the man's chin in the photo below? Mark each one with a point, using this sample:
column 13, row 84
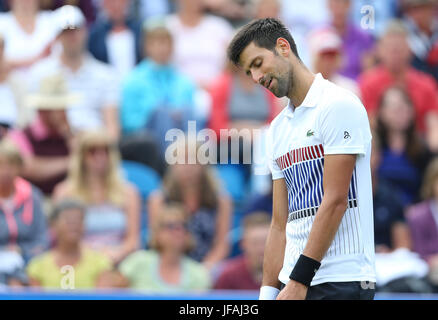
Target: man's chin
column 279, row 94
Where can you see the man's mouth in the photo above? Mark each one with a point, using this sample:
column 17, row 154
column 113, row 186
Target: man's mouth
column 269, row 84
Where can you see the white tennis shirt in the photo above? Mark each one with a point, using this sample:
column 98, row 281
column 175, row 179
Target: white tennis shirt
column 331, row 120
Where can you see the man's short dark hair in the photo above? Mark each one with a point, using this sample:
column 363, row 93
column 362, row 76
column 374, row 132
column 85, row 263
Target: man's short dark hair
column 264, row 33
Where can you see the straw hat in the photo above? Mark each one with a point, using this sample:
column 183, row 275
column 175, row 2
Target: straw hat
column 52, row 95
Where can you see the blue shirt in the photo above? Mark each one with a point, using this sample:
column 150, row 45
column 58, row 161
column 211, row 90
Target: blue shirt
column 151, row 86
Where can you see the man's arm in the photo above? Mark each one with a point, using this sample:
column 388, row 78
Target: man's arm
column 42, row 168
column 276, row 241
column 111, row 120
column 338, row 170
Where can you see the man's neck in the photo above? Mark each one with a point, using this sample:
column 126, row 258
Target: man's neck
column 73, row 62
column 399, row 74
column 302, row 83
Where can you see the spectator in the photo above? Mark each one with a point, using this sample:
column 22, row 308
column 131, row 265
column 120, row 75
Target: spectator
column 390, row 229
column 404, row 156
column 395, row 69
column 69, row 264
column 357, row 44
column 115, row 38
column 13, row 112
column 96, row 82
column 113, row 205
column 245, row 272
column 166, row 266
column 45, row 143
column 239, row 103
column 326, row 50
column 156, row 86
column 190, row 27
column 28, row 33
column 195, row 187
column 423, row 221
column 23, row 231
column 420, row 18
column 8, row 111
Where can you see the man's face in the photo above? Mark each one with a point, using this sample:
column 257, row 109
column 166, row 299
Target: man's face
column 73, row 41
column 267, row 68
column 394, row 51
column 159, row 48
column 339, row 9
column 117, row 10
column 253, row 243
column 54, row 120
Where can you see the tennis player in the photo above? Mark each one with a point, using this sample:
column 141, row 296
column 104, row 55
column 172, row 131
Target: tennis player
column 321, row 240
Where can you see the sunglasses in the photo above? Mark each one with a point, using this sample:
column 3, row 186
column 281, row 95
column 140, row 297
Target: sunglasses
column 174, row 226
column 96, row 149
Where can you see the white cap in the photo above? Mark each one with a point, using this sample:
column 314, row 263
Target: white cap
column 69, row 17
column 325, row 39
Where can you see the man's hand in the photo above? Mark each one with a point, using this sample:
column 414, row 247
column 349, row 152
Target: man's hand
column 293, row 291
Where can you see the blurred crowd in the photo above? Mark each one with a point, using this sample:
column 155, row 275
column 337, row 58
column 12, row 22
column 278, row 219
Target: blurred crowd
column 89, row 89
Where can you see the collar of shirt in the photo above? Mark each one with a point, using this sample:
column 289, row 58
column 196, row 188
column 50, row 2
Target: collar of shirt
column 88, row 59
column 312, row 97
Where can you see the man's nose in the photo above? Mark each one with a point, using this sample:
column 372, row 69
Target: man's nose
column 257, row 77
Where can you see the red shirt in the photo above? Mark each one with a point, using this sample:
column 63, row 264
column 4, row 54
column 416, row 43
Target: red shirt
column 236, row 276
column 421, row 87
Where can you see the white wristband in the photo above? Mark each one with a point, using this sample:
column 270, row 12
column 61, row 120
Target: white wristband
column 268, row 293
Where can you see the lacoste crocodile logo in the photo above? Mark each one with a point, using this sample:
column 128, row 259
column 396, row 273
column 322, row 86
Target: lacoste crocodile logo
column 310, row 133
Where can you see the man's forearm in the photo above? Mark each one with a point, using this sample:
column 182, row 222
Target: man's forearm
column 324, row 228
column 41, row 168
column 274, row 256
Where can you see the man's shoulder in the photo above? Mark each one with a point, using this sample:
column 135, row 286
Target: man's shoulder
column 422, row 80
column 336, row 96
column 373, row 76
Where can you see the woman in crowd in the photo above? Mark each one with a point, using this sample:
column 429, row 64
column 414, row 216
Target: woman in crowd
column 29, row 33
column 190, row 27
column 23, row 232
column 195, row 187
column 166, row 266
column 404, row 156
column 423, row 221
column 69, row 265
column 113, row 205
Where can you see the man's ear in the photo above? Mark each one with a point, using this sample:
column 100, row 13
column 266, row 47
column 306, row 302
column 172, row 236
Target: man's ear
column 283, row 47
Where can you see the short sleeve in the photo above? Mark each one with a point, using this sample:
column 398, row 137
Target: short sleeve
column 273, row 166
column 345, row 127
column 35, row 268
